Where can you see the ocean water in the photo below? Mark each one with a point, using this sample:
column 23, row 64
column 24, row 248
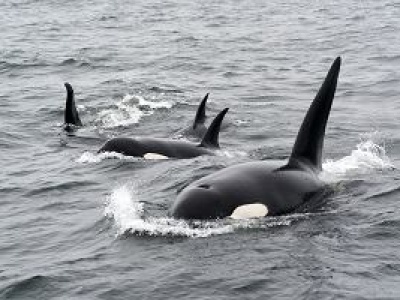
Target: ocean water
column 80, row 225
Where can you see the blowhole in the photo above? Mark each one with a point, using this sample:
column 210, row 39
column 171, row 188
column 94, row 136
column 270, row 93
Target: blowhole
column 204, row 186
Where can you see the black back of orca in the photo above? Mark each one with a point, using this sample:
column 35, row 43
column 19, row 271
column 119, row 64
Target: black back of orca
column 71, row 116
column 258, row 189
column 140, row 147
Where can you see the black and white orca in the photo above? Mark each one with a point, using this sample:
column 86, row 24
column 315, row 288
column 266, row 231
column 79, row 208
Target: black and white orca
column 155, row 148
column 259, row 189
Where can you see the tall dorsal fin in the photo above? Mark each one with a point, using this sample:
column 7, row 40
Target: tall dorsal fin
column 201, row 112
column 210, row 139
column 71, row 114
column 310, row 139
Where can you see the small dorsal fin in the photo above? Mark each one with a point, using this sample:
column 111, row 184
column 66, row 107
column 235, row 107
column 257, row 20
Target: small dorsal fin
column 71, row 115
column 201, row 112
column 210, row 139
column 310, row 139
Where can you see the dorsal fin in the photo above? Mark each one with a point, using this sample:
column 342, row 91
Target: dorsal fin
column 310, row 139
column 210, row 139
column 71, row 114
column 200, row 117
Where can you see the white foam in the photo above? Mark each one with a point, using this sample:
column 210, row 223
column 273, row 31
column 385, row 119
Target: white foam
column 241, row 122
column 124, row 115
column 129, row 110
column 231, row 153
column 127, row 212
column 367, row 157
column 88, row 157
column 153, row 105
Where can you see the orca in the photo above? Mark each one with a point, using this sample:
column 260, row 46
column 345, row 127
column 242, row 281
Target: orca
column 198, row 128
column 155, row 148
column 71, row 116
column 265, row 188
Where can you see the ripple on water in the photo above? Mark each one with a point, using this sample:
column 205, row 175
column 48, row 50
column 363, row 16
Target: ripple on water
column 31, row 287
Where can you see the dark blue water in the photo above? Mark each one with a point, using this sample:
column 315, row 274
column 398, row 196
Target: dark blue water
column 78, row 225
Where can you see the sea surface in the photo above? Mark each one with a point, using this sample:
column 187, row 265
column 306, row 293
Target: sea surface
column 75, row 224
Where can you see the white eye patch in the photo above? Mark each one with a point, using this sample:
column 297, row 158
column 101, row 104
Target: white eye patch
column 154, row 156
column 248, row 211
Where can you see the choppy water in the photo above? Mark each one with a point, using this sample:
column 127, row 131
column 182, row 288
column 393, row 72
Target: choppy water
column 77, row 225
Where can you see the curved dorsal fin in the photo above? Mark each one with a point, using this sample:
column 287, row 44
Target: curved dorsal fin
column 201, row 112
column 310, row 139
column 71, row 114
column 210, row 139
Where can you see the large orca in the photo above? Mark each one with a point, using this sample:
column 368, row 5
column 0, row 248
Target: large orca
column 71, row 116
column 155, row 148
column 258, row 189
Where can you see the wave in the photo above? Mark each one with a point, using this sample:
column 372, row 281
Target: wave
column 36, row 286
column 88, row 62
column 130, row 110
column 367, row 157
column 165, row 90
column 127, row 212
column 6, row 66
column 70, row 61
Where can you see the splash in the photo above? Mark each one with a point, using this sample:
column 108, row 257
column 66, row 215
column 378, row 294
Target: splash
column 124, row 115
column 153, row 105
column 81, row 107
column 241, row 122
column 128, row 214
column 91, row 158
column 367, row 157
column 231, row 153
column 130, row 110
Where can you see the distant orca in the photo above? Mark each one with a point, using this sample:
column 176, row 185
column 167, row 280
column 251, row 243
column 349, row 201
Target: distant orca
column 258, row 189
column 198, row 127
column 163, row 148
column 71, row 116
